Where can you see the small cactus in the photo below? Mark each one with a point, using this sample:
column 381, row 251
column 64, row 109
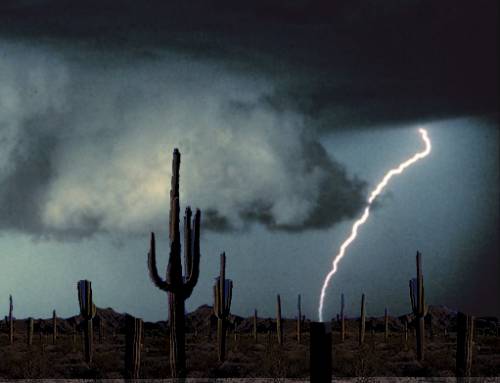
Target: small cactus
column 279, row 324
column 386, row 325
column 342, row 318
column 223, row 292
column 418, row 306
column 30, row 325
column 54, row 327
column 87, row 311
column 133, row 346
column 11, row 320
column 255, row 326
column 299, row 320
column 362, row 321
column 465, row 332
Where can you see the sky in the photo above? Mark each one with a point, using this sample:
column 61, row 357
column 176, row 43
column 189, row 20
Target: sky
column 285, row 114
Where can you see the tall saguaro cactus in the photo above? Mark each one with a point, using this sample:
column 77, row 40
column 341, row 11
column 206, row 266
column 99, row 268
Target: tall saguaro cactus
column 418, row 306
column 299, row 320
column 223, row 293
column 465, row 331
column 11, row 320
column 342, row 318
column 54, row 327
column 133, row 346
column 255, row 326
column 362, row 321
column 279, row 325
column 386, row 325
column 178, row 286
column 87, row 311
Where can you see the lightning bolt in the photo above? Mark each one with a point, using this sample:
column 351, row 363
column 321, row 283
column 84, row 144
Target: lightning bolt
column 373, row 195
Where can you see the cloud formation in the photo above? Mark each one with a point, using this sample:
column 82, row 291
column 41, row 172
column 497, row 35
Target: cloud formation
column 87, row 142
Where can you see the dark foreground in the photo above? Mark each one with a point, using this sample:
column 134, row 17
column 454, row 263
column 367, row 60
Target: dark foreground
column 246, row 358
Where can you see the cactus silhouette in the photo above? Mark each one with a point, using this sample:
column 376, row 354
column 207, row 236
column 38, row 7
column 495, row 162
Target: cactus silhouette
column 342, row 318
column 30, row 326
column 362, row 321
column 11, row 320
column 279, row 323
column 418, row 306
column 54, row 327
column 223, row 293
column 178, row 286
column 133, row 346
column 299, row 320
column 87, row 311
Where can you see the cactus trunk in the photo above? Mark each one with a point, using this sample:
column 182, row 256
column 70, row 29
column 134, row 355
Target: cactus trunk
column 11, row 320
column 386, row 326
column 54, row 327
column 223, row 290
column 255, row 326
column 279, row 327
column 87, row 311
column 418, row 306
column 362, row 321
column 133, row 346
column 342, row 318
column 299, row 320
column 465, row 331
column 30, row 331
column 177, row 335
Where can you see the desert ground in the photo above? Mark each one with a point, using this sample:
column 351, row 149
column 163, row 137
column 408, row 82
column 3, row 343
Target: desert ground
column 245, row 357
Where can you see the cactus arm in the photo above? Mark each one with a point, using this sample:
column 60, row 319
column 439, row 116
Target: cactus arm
column 153, row 270
column 194, row 256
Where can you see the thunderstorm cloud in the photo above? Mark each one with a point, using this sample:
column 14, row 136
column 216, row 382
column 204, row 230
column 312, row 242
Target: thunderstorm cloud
column 86, row 147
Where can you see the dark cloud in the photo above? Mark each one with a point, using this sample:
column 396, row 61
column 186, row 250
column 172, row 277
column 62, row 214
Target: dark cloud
column 286, row 71
column 364, row 62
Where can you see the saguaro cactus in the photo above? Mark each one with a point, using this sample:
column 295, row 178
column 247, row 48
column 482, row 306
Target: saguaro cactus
column 465, row 331
column 223, row 292
column 386, row 325
column 279, row 326
column 299, row 320
column 255, row 326
column 178, row 286
column 100, row 328
column 362, row 321
column 54, row 327
column 342, row 318
column 419, row 307
column 30, row 326
column 133, row 346
column 11, row 320
column 87, row 311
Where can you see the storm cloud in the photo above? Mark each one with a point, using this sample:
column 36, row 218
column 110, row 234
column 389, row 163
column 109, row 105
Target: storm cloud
column 86, row 147
column 95, row 95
